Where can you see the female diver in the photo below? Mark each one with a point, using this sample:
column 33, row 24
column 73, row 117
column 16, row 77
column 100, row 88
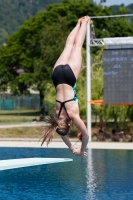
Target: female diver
column 65, row 73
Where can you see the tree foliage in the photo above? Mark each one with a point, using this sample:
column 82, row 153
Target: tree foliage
column 14, row 12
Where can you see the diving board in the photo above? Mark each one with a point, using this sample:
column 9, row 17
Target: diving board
column 27, row 162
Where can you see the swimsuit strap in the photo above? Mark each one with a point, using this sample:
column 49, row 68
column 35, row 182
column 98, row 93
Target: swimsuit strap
column 62, row 105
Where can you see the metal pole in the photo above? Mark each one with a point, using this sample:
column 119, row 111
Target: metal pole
column 18, row 109
column 88, row 77
column 126, row 15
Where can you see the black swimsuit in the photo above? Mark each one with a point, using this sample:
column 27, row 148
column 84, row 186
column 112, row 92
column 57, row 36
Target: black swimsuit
column 63, row 74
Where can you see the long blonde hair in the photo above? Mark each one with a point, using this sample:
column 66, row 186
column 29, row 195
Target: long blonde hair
column 52, row 125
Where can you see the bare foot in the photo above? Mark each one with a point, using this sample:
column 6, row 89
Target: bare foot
column 82, row 18
column 85, row 19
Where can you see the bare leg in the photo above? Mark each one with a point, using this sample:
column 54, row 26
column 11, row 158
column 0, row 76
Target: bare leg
column 64, row 57
column 75, row 60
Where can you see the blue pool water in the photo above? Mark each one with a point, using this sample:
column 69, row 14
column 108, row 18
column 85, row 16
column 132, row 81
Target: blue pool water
column 103, row 175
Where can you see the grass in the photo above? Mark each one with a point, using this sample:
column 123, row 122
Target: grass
column 23, row 132
column 37, row 132
column 15, row 116
column 32, row 132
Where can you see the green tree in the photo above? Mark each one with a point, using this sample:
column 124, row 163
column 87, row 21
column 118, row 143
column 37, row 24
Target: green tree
column 14, row 12
column 35, row 53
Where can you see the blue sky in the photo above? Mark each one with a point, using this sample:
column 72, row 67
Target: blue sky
column 115, row 2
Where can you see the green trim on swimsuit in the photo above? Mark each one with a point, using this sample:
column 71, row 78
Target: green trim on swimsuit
column 75, row 94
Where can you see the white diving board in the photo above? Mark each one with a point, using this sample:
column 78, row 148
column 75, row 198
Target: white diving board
column 27, row 162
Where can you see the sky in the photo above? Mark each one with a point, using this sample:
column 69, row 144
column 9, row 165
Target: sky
column 115, row 2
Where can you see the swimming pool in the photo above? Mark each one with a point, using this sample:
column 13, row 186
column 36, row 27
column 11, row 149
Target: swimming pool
column 103, row 175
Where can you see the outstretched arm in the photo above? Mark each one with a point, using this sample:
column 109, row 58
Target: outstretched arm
column 82, row 128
